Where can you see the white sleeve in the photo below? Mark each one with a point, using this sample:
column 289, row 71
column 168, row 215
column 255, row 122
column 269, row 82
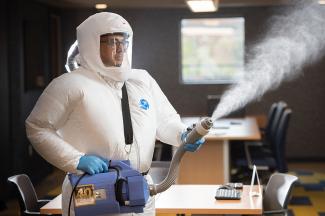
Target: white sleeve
column 49, row 114
column 169, row 125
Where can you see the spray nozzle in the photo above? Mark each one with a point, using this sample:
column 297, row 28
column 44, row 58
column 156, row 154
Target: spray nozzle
column 201, row 129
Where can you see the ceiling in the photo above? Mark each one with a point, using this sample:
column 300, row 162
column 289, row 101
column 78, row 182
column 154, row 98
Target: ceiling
column 137, row 4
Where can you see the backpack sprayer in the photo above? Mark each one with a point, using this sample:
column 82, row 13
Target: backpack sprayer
column 123, row 189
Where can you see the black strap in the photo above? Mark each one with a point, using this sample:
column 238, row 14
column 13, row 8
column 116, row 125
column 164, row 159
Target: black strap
column 145, row 173
column 119, row 190
column 128, row 131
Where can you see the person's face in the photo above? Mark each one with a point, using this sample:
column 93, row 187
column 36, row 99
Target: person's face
column 112, row 48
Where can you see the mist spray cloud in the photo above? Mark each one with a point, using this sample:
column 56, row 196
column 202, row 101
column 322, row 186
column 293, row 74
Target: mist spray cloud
column 294, row 40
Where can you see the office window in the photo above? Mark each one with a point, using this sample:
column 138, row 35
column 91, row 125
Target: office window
column 212, row 50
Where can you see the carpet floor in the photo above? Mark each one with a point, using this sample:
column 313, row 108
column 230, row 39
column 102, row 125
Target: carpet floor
column 308, row 196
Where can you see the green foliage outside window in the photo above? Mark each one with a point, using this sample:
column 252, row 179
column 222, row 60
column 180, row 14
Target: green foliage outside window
column 212, row 50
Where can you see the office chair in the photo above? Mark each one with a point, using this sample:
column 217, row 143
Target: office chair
column 280, row 142
column 277, row 194
column 255, row 147
column 28, row 200
column 281, row 107
column 274, row 114
column 268, row 133
column 275, row 160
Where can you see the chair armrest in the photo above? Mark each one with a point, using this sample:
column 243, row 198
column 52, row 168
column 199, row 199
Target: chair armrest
column 270, row 212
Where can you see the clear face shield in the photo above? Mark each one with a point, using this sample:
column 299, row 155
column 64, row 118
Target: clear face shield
column 115, row 51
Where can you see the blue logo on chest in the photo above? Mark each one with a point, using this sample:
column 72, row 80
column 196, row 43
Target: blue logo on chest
column 143, row 104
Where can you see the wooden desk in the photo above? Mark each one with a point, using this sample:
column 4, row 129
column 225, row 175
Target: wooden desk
column 210, row 164
column 199, row 199
column 190, row 199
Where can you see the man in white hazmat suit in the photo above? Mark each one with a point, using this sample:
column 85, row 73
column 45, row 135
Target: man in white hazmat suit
column 77, row 123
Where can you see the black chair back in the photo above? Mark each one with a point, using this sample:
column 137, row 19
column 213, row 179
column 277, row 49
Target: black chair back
column 270, row 120
column 281, row 106
column 280, row 141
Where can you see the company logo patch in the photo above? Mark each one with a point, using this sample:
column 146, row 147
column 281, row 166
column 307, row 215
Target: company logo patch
column 143, row 103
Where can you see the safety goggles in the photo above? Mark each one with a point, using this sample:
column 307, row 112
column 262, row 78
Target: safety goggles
column 114, row 43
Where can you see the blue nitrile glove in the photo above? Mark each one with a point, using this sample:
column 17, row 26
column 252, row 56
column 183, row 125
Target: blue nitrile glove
column 92, row 164
column 191, row 147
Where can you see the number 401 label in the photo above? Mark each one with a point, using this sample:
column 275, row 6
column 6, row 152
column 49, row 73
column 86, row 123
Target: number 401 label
column 84, row 195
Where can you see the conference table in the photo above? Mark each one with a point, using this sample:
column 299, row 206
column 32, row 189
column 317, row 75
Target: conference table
column 211, row 163
column 190, row 199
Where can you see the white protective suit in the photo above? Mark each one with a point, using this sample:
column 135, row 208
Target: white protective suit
column 80, row 112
